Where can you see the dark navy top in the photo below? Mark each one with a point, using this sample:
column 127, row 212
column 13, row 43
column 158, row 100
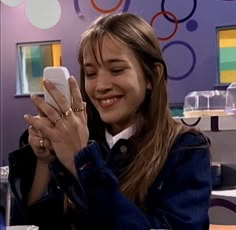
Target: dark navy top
column 178, row 199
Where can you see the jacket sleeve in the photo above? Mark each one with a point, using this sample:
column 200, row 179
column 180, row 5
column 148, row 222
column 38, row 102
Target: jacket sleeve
column 181, row 195
column 46, row 212
column 179, row 198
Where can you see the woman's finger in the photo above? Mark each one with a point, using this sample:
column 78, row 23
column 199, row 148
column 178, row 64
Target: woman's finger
column 85, row 111
column 34, row 132
column 41, row 114
column 78, row 105
column 39, row 142
column 51, row 113
column 56, row 94
column 42, row 128
column 44, row 143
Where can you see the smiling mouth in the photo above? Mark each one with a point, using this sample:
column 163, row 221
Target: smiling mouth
column 109, row 102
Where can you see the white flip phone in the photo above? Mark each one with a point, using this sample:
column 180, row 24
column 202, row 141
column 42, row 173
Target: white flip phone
column 59, row 76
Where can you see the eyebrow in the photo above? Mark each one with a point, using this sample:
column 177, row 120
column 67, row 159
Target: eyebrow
column 110, row 61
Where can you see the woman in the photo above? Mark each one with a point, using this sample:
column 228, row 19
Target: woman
column 133, row 166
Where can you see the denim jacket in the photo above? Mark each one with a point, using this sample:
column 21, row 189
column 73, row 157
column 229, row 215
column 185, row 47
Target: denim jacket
column 178, row 198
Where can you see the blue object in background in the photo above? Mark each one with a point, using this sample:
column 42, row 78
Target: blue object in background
column 176, row 110
column 2, row 221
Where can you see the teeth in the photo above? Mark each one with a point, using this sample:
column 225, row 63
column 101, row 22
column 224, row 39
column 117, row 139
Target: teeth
column 108, row 101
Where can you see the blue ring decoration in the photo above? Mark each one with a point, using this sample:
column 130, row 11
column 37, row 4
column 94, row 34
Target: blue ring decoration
column 183, row 19
column 191, row 125
column 126, row 6
column 79, row 13
column 193, row 56
column 77, row 8
column 218, row 202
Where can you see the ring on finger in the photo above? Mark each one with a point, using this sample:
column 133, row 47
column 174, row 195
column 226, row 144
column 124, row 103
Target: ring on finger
column 41, row 143
column 79, row 109
column 57, row 119
column 68, row 112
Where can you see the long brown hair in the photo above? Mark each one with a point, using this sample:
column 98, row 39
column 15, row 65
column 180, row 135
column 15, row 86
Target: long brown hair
column 157, row 130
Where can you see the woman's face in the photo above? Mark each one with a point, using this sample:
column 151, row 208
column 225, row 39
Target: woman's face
column 114, row 83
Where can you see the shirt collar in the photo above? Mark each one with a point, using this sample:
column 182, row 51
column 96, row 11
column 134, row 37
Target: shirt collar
column 125, row 134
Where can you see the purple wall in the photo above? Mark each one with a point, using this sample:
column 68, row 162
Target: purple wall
column 15, row 28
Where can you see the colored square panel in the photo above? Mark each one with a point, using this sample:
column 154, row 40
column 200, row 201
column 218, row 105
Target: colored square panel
column 228, row 76
column 33, row 58
column 227, row 54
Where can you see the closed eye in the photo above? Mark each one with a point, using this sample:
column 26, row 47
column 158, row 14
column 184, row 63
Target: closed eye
column 89, row 74
column 117, row 71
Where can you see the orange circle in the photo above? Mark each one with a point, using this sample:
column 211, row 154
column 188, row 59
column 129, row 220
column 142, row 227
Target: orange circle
column 106, row 11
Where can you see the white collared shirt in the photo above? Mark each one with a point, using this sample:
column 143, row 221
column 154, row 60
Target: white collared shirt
column 125, row 134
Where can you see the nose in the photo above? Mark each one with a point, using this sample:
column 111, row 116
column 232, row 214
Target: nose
column 104, row 83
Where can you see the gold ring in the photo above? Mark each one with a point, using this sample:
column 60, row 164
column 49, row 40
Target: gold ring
column 41, row 143
column 79, row 109
column 57, row 119
column 68, row 112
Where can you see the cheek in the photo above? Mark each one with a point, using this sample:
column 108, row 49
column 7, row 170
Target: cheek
column 139, row 90
column 88, row 88
column 139, row 95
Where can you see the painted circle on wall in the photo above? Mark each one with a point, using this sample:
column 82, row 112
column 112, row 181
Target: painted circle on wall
column 78, row 11
column 183, row 19
column 174, row 19
column 43, row 14
column 185, row 75
column 191, row 25
column 126, row 6
column 12, row 3
column 103, row 11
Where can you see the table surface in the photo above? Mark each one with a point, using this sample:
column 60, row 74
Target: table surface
column 227, row 193
column 222, row 227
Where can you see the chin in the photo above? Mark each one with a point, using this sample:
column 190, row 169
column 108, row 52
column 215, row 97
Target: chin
column 109, row 121
column 120, row 122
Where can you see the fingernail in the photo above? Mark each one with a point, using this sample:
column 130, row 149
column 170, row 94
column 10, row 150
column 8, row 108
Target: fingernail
column 71, row 78
column 47, row 81
column 33, row 96
column 27, row 116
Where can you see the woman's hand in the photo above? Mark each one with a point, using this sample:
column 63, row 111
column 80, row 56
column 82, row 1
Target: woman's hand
column 43, row 149
column 69, row 133
column 41, row 146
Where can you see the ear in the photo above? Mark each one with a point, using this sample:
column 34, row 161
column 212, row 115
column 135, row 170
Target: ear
column 149, row 85
column 160, row 72
column 159, row 69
